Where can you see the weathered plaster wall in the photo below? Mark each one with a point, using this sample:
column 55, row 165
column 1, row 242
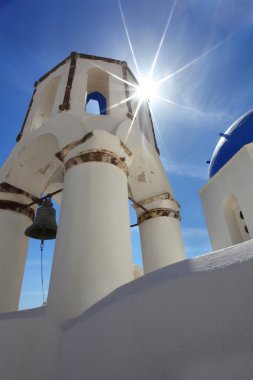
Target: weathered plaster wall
column 188, row 321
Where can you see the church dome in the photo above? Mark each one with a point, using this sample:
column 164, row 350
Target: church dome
column 239, row 134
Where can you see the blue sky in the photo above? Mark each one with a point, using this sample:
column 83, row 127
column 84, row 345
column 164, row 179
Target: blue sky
column 211, row 92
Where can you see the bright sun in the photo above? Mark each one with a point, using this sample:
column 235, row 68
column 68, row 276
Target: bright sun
column 147, row 89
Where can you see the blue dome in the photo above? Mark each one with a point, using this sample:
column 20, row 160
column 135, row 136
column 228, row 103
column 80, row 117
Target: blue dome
column 239, row 134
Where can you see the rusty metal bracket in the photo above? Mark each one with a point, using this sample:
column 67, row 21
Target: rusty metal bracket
column 97, row 156
column 17, row 207
column 137, row 204
column 156, row 212
column 39, row 201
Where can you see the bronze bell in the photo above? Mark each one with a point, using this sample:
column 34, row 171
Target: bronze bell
column 44, row 226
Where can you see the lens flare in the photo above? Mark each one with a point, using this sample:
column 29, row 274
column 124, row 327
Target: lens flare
column 147, row 89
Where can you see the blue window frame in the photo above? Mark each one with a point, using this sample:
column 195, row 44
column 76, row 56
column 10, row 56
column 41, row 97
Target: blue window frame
column 100, row 99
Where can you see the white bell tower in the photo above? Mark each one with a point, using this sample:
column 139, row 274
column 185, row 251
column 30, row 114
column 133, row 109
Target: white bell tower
column 100, row 160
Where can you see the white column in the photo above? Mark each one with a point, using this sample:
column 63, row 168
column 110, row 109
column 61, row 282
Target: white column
column 160, row 233
column 93, row 245
column 14, row 219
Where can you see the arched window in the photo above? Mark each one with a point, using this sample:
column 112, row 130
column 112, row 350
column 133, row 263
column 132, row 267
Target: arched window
column 97, row 92
column 236, row 223
column 45, row 103
column 96, row 103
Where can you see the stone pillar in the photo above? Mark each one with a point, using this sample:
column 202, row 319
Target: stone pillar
column 15, row 217
column 93, row 245
column 160, row 233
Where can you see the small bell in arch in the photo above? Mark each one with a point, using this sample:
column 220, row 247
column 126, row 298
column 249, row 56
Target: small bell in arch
column 44, row 226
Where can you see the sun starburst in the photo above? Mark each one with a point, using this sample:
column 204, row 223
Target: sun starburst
column 148, row 88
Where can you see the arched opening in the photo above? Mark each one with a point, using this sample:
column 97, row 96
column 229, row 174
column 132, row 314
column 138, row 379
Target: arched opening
column 97, row 95
column 45, row 103
column 35, row 165
column 235, row 220
column 96, row 103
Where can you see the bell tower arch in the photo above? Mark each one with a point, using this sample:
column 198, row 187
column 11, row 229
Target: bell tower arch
column 45, row 103
column 97, row 159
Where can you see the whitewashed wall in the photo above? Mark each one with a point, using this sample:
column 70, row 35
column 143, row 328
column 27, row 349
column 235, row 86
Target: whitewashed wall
column 188, row 321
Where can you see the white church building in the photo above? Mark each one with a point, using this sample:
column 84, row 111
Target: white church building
column 181, row 319
column 227, row 197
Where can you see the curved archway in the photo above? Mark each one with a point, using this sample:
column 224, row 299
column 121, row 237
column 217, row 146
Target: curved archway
column 98, row 90
column 34, row 165
column 235, row 221
column 96, row 103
